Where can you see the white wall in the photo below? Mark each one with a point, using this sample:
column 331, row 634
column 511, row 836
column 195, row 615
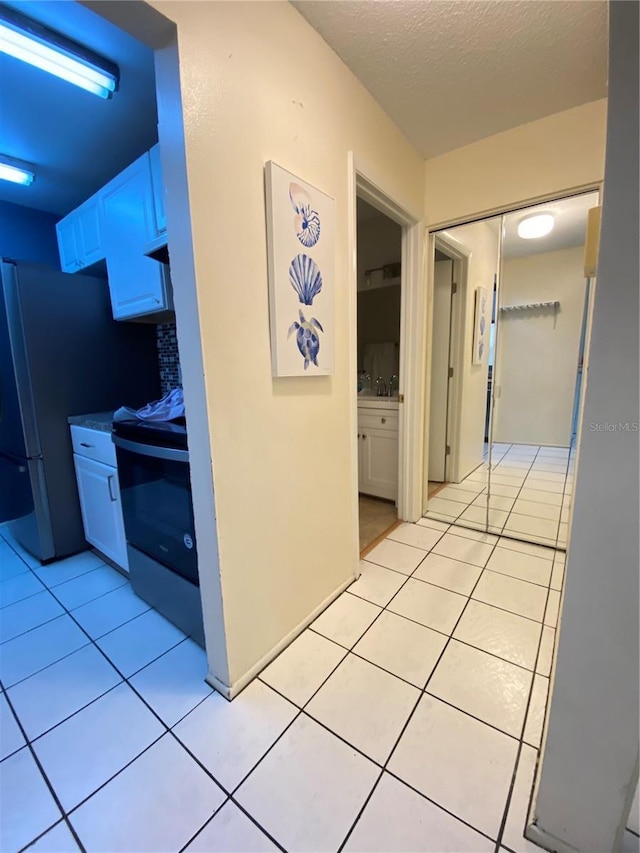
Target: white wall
column 548, row 158
column 590, row 758
column 281, row 449
column 537, row 355
column 481, row 239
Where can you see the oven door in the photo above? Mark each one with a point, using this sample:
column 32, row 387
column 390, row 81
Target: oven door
column 155, row 487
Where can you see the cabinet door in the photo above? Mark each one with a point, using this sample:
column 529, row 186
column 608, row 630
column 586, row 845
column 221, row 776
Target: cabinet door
column 158, row 188
column 89, row 233
column 379, row 468
column 66, row 231
column 136, row 283
column 101, row 508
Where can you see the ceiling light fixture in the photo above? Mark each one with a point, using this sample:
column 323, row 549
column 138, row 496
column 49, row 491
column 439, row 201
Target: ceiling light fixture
column 15, row 174
column 538, row 225
column 30, row 42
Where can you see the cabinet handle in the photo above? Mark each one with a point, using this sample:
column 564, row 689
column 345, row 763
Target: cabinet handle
column 384, row 420
column 84, row 444
column 112, row 497
column 363, row 436
column 358, row 435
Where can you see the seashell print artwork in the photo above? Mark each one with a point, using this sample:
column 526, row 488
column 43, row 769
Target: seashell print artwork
column 307, row 338
column 301, row 273
column 306, row 221
column 305, row 278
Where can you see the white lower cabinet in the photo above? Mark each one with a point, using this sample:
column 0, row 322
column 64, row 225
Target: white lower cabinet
column 99, row 494
column 378, row 453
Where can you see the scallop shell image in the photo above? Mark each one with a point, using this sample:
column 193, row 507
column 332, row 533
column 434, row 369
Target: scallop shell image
column 305, row 278
column 307, row 338
column 306, row 221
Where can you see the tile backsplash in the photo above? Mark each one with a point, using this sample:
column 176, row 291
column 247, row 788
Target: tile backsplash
column 168, row 358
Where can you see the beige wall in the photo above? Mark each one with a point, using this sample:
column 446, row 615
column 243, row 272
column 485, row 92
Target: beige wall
column 551, row 157
column 537, row 356
column 281, row 449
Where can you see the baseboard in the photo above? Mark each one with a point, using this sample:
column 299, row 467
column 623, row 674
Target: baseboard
column 230, row 692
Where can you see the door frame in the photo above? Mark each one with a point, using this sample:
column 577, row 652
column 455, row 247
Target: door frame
column 367, row 184
column 460, row 256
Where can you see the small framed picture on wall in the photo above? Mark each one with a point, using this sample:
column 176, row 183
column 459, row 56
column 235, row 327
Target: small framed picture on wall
column 481, row 325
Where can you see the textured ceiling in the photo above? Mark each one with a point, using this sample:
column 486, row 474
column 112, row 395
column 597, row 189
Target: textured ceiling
column 76, row 141
column 569, row 229
column 450, row 72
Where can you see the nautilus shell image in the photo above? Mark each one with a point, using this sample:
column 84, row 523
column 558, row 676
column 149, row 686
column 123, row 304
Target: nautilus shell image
column 307, row 338
column 305, row 278
column 306, row 221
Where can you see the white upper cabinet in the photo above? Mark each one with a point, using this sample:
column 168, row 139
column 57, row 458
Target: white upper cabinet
column 158, row 189
column 138, row 285
column 80, row 237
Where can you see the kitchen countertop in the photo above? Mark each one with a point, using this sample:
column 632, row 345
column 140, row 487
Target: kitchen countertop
column 101, row 421
column 371, row 401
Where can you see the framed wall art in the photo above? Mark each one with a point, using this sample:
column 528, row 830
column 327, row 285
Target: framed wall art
column 481, row 325
column 301, row 259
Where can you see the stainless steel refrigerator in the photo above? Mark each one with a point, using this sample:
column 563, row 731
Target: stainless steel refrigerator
column 61, row 354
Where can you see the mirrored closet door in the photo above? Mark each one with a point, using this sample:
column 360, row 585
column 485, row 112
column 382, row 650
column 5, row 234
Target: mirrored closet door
column 524, row 338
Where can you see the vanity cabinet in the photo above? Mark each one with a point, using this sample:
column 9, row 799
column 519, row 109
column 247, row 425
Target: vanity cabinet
column 94, row 458
column 378, row 449
column 80, row 237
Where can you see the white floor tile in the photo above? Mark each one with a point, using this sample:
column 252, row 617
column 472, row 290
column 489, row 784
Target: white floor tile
column 446, row 508
column 478, row 515
column 538, row 496
column 110, row 611
column 463, row 549
column 399, row 820
column 27, row 805
column 346, row 620
column 365, row 706
column 499, row 489
column 536, row 712
column 525, row 567
column 28, row 614
column 563, row 533
column 377, row 584
column 513, row 835
column 136, row 643
column 402, row 647
column 56, row 840
column 495, row 502
column 11, row 564
column 309, row 789
column 80, row 590
column 540, row 528
column 56, row 573
column 397, row 556
column 507, row 479
column 448, row 573
column 543, row 485
column 491, row 689
column 11, row 738
column 16, row 547
column 435, row 525
column 174, row 683
column 545, row 656
column 506, row 635
column 475, row 535
column 157, row 803
column 429, row 605
column 31, row 652
column 18, row 588
column 301, row 668
column 527, row 548
column 416, row 535
column 553, row 609
column 89, row 748
column 458, row 762
column 525, row 599
column 439, row 517
column 229, row 738
column 54, row 693
column 231, row 831
column 461, row 492
column 537, row 509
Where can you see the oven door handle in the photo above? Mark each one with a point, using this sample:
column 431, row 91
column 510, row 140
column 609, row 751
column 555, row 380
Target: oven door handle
column 172, row 453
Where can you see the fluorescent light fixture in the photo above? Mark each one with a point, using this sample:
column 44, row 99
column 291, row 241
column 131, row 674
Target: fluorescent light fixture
column 538, row 225
column 30, row 42
column 16, row 174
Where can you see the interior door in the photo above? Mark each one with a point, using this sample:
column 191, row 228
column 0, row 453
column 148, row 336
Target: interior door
column 442, row 286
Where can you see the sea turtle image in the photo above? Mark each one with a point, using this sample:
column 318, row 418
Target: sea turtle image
column 307, row 338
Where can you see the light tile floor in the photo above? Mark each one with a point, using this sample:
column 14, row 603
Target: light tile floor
column 408, row 717
column 529, row 495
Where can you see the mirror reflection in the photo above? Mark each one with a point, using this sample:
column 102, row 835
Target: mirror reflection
column 510, row 321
